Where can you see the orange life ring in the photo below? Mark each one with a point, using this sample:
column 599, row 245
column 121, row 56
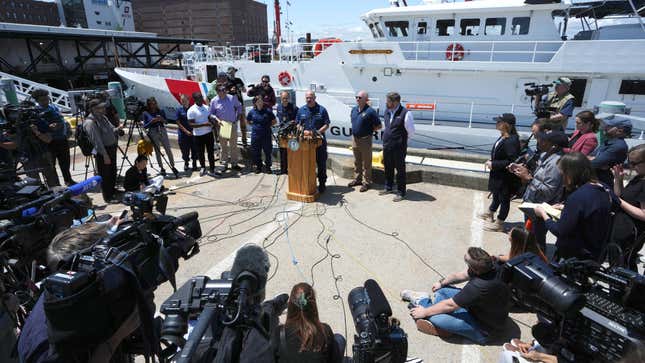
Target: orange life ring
column 284, row 78
column 455, row 52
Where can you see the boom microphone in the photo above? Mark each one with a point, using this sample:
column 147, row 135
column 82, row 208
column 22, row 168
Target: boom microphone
column 84, row 186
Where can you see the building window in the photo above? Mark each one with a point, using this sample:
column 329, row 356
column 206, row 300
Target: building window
column 422, row 28
column 469, row 27
column 445, row 27
column 520, row 26
column 397, row 28
column 495, row 26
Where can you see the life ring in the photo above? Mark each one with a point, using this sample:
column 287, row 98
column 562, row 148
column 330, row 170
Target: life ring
column 455, row 52
column 284, row 78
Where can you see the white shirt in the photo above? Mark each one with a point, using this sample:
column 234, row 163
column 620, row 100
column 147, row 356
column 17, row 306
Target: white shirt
column 409, row 122
column 200, row 116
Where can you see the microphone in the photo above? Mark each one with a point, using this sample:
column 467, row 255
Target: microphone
column 378, row 302
column 84, row 186
column 250, row 271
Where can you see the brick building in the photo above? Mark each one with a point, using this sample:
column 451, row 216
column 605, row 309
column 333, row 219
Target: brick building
column 233, row 22
column 29, row 12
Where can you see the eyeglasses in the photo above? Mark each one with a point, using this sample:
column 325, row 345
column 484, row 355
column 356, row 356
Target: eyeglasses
column 265, row 81
column 358, row 97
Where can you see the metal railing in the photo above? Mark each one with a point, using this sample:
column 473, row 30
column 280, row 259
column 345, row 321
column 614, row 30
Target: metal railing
column 24, row 87
column 481, row 51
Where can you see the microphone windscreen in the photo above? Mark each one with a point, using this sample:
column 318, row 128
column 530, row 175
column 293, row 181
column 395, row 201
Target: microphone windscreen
column 254, row 259
column 84, row 186
column 378, row 302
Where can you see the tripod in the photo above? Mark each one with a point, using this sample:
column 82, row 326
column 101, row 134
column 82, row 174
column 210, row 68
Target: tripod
column 80, row 119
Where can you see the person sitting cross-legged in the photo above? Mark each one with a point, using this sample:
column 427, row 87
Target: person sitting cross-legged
column 477, row 312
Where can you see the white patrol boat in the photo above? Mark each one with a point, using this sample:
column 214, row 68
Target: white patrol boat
column 456, row 65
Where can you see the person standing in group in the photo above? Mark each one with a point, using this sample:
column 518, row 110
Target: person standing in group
column 314, row 117
column 286, row 112
column 584, row 139
column 103, row 136
column 399, row 127
column 225, row 108
column 264, row 90
column 154, row 120
column 261, row 119
column 199, row 119
column 185, row 136
column 613, row 150
column 560, row 103
column 236, row 88
column 364, row 122
column 59, row 130
column 501, row 182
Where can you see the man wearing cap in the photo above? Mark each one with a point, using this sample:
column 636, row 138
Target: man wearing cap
column 103, row 135
column 235, row 88
column 265, row 90
column 225, row 108
column 364, row 122
column 613, row 151
column 559, row 103
column 545, row 183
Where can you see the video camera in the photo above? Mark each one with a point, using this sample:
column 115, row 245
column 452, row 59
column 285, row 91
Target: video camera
column 379, row 337
column 536, row 91
column 597, row 313
column 134, row 107
column 97, row 289
column 18, row 121
column 154, row 196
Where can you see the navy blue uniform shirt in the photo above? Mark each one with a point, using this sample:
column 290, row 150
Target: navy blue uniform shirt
column 182, row 118
column 312, row 118
column 260, row 121
column 148, row 116
column 50, row 115
column 286, row 113
column 364, row 121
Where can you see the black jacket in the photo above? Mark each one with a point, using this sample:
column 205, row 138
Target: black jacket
column 506, row 152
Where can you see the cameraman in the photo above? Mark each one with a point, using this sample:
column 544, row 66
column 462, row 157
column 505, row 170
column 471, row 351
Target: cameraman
column 104, row 138
column 59, row 131
column 136, row 178
column 265, row 90
column 34, row 341
column 477, row 312
column 36, row 150
column 559, row 103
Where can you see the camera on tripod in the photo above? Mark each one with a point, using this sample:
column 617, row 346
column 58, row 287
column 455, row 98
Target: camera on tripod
column 598, row 313
column 154, row 196
column 134, row 107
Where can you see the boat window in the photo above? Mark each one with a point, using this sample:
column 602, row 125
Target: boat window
column 495, row 26
column 445, row 27
column 379, row 30
column 469, row 27
column 632, row 87
column 373, row 30
column 520, row 26
column 422, row 28
column 397, row 28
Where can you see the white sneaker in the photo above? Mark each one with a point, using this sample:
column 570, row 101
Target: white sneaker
column 414, row 296
column 497, row 226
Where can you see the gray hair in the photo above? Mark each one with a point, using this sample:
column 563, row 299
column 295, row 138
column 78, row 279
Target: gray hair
column 393, row 97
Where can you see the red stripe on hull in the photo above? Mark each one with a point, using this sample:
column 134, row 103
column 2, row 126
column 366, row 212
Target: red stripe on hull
column 178, row 87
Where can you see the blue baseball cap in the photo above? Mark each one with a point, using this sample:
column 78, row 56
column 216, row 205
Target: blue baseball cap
column 618, row 121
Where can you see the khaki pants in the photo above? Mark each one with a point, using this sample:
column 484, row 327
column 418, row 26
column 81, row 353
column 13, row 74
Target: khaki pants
column 229, row 147
column 362, row 148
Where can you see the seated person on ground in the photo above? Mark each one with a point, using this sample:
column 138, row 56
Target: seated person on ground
column 477, row 312
column 136, row 178
column 303, row 338
column 522, row 242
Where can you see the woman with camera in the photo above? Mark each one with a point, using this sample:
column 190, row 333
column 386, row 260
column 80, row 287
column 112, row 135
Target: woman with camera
column 582, row 229
column 303, row 338
column 154, row 121
column 501, row 182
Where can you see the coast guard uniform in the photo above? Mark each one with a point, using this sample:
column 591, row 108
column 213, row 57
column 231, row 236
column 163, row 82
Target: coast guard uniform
column 313, row 119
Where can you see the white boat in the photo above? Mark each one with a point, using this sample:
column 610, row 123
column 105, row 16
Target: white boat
column 456, row 65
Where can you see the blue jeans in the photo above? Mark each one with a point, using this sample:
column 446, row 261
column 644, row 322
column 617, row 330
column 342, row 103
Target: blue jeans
column 459, row 322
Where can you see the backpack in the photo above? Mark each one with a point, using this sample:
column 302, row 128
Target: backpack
column 83, row 141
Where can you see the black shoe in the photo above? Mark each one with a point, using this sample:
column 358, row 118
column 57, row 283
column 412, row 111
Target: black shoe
column 364, row 188
column 354, row 183
column 236, row 167
column 162, row 172
column 194, row 165
column 186, row 166
column 322, row 188
column 258, row 170
column 268, row 170
column 385, row 192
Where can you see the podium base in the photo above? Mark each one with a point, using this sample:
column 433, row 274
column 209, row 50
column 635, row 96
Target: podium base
column 306, row 198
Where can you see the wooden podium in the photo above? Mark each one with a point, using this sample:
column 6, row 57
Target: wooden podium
column 302, row 169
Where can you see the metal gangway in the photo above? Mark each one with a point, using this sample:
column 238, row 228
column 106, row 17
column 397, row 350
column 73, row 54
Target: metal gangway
column 24, row 87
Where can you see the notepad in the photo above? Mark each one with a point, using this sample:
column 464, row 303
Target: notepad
column 529, row 209
column 226, row 129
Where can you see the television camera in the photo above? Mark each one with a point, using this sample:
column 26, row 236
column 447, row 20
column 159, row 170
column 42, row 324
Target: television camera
column 535, row 92
column 596, row 314
column 153, row 196
column 18, row 121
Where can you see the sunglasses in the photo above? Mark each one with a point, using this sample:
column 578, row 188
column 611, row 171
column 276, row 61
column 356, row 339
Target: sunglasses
column 359, row 97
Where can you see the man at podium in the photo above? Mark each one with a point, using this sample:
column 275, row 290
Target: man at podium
column 314, row 117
